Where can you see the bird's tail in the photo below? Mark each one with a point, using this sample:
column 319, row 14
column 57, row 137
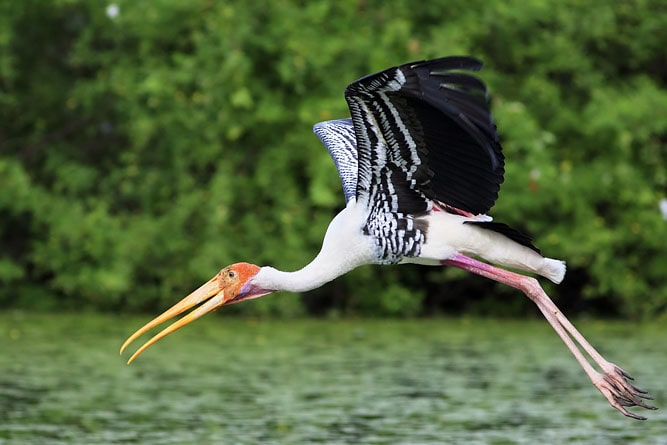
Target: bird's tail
column 554, row 270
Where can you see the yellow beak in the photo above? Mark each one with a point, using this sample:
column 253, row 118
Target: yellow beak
column 212, row 294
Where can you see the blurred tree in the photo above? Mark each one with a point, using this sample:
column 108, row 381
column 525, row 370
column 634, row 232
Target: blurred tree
column 143, row 145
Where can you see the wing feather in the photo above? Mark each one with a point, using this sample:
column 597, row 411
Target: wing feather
column 432, row 124
column 339, row 138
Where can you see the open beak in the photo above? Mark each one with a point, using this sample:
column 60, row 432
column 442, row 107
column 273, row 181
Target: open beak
column 211, row 294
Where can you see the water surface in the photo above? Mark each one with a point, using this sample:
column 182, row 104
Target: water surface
column 230, row 381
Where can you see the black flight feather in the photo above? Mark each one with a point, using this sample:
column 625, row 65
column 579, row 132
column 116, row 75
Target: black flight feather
column 432, row 122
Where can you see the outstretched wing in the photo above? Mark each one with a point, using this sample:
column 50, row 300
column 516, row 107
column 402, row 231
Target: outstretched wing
column 424, row 132
column 339, row 138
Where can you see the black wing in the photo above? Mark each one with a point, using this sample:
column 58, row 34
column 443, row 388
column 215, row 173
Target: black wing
column 424, row 132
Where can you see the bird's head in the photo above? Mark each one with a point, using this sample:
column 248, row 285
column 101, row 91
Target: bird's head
column 231, row 285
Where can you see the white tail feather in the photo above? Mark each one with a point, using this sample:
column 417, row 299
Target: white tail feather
column 554, row 270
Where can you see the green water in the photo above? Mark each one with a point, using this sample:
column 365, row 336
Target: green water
column 227, row 381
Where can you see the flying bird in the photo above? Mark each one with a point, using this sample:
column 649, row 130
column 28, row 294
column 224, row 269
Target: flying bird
column 421, row 164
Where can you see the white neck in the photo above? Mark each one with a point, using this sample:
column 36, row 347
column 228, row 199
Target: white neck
column 343, row 249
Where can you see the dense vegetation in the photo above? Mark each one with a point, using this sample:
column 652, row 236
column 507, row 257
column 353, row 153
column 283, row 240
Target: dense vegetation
column 144, row 145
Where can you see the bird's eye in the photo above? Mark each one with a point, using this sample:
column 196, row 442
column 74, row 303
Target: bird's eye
column 231, row 274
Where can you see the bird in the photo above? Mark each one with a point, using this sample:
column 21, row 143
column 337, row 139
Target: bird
column 421, row 164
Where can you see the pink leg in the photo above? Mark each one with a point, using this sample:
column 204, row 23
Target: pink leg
column 613, row 382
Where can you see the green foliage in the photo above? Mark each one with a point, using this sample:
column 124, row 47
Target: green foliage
column 141, row 152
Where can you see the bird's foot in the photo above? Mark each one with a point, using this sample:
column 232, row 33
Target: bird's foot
column 615, row 385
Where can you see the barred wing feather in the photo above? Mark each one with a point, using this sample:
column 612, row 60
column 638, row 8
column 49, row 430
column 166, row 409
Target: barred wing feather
column 424, row 130
column 339, row 139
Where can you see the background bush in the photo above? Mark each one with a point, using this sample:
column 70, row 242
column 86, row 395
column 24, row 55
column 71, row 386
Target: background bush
column 144, row 145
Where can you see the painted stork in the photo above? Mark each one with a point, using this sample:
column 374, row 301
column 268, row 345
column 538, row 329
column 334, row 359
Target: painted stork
column 421, row 164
